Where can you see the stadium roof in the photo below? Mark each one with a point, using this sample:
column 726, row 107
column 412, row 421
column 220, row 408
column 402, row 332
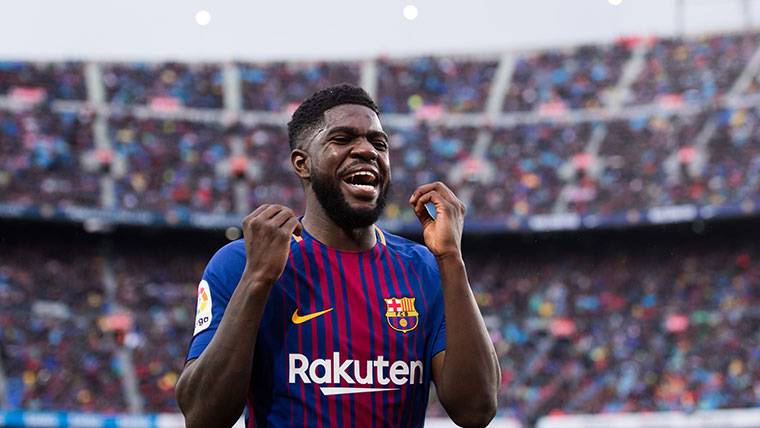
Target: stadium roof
column 287, row 29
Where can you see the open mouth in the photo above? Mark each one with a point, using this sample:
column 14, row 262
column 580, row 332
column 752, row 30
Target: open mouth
column 363, row 184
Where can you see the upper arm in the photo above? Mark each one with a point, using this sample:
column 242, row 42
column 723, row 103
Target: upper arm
column 214, row 292
column 438, row 360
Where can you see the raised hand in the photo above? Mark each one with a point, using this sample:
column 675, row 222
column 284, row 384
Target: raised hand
column 267, row 232
column 443, row 236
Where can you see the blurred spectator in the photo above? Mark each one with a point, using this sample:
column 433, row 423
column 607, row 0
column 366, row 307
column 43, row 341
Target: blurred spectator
column 423, row 154
column 191, row 85
column 733, row 167
column 63, row 81
column 455, row 85
column 576, row 79
column 171, row 165
column 279, row 86
column 527, row 160
column 57, row 358
column 271, row 179
column 160, row 290
column 624, row 329
column 695, row 70
column 633, row 156
column 40, row 154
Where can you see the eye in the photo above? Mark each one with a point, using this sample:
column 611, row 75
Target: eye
column 341, row 139
column 380, row 144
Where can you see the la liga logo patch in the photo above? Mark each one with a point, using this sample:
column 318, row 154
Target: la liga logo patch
column 203, row 310
column 401, row 314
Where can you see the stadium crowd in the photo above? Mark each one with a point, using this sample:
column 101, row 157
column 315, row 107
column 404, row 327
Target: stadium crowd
column 733, row 171
column 159, row 289
column 188, row 85
column 40, row 158
column 172, row 165
column 55, row 354
column 612, row 328
column 695, row 70
column 448, row 84
column 59, row 80
column 527, row 161
column 574, row 78
column 278, row 86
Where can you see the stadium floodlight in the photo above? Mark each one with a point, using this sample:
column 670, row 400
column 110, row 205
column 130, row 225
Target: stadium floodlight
column 202, row 17
column 410, row 12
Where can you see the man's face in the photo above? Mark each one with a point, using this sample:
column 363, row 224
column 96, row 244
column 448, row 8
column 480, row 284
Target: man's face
column 350, row 167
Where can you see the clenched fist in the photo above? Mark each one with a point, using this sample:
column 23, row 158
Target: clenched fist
column 267, row 232
column 443, row 236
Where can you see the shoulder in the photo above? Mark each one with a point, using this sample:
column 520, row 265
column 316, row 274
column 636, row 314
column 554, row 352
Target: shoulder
column 230, row 253
column 409, row 249
column 227, row 264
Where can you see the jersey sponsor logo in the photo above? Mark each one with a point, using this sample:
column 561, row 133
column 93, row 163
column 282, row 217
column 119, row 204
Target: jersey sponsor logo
column 401, row 314
column 203, row 310
column 371, row 376
column 300, row 319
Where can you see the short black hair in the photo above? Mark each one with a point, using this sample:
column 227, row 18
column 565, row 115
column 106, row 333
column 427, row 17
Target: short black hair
column 311, row 112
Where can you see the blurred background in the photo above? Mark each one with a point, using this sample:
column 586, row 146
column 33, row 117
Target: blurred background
column 608, row 152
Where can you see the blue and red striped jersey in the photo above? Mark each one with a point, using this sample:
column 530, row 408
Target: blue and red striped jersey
column 346, row 339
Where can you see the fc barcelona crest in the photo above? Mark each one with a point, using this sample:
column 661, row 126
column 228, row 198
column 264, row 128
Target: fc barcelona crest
column 401, row 314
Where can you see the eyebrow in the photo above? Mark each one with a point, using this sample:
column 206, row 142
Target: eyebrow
column 355, row 132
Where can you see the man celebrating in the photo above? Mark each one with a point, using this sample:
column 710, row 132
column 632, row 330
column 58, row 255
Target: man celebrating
column 327, row 320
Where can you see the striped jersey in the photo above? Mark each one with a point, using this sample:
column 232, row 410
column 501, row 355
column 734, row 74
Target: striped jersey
column 346, row 338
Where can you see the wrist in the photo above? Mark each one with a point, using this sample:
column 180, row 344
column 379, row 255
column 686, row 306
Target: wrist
column 257, row 282
column 453, row 256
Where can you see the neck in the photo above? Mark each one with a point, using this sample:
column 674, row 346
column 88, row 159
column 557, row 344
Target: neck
column 323, row 228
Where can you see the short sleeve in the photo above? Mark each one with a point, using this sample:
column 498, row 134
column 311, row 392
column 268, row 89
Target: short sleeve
column 215, row 289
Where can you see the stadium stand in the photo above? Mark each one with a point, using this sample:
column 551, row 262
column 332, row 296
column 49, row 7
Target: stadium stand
column 40, row 153
column 57, row 356
column 455, row 85
column 424, row 154
column 171, row 165
column 574, row 78
column 696, row 70
column 63, row 81
column 189, row 85
column 610, row 328
column 278, row 86
column 618, row 327
column 733, row 171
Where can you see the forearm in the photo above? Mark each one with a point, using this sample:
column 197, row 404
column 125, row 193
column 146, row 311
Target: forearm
column 470, row 375
column 212, row 389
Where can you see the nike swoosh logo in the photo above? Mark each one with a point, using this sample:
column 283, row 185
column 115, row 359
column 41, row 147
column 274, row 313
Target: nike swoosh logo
column 299, row 319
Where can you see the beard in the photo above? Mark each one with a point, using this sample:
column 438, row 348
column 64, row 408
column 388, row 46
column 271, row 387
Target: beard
column 337, row 208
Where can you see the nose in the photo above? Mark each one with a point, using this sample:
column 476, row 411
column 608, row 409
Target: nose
column 364, row 149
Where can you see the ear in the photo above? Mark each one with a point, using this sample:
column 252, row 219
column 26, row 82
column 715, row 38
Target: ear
column 299, row 158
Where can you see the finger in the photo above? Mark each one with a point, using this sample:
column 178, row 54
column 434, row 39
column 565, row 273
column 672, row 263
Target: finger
column 282, row 217
column 293, row 226
column 438, row 186
column 432, row 196
column 421, row 211
column 270, row 212
column 257, row 211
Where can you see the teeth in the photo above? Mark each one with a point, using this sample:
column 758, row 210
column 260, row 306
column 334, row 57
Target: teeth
column 362, row 174
column 364, row 186
column 356, row 174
